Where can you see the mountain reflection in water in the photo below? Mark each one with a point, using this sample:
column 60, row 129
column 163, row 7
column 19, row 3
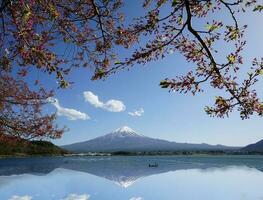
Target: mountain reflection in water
column 76, row 173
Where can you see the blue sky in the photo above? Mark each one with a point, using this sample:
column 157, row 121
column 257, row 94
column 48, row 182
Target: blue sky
column 166, row 115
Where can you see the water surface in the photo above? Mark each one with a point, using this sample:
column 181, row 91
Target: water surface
column 130, row 178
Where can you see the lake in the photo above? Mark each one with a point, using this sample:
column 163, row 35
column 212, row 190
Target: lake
column 131, row 178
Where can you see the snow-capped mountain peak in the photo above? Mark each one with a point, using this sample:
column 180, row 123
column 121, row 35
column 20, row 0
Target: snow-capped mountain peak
column 125, row 129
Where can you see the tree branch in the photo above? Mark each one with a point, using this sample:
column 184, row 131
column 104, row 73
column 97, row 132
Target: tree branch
column 210, row 56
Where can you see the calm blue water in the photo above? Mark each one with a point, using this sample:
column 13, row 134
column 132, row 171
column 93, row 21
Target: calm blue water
column 130, row 178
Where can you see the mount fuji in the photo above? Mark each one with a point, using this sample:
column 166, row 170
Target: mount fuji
column 126, row 139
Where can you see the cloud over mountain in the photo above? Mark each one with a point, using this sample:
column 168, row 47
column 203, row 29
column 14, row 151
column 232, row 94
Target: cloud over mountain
column 111, row 105
column 70, row 113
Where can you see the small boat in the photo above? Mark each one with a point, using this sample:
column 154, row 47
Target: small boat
column 153, row 165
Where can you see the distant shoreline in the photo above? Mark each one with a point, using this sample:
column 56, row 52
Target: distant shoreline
column 30, row 156
column 101, row 154
column 178, row 153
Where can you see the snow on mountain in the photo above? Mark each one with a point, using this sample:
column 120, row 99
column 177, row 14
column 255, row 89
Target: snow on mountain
column 124, row 131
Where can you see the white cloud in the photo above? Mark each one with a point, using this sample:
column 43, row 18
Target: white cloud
column 93, row 99
column 114, row 106
column 77, row 197
column 15, row 197
column 111, row 105
column 136, row 198
column 137, row 113
column 70, row 113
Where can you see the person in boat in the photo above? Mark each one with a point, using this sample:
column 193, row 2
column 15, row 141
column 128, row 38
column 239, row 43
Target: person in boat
column 153, row 165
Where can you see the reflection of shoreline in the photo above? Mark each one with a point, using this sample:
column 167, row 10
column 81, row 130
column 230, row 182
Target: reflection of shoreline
column 122, row 170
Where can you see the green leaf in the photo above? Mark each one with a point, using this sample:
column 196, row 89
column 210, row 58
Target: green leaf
column 231, row 58
column 64, row 84
column 258, row 8
column 164, row 84
column 211, row 27
column 180, row 20
column 117, row 62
